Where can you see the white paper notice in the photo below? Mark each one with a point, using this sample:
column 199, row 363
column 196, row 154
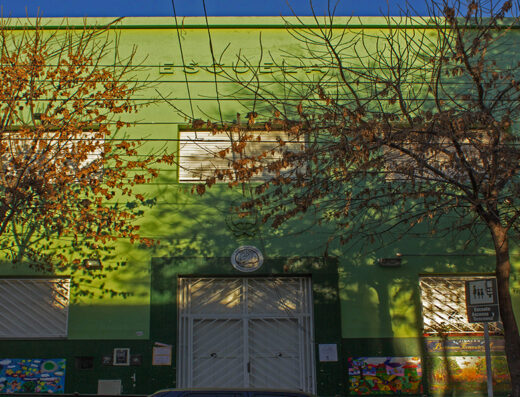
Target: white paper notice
column 162, row 355
column 328, row 352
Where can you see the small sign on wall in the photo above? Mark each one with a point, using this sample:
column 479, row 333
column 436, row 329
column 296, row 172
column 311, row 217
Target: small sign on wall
column 109, row 387
column 328, row 352
column 162, row 354
column 482, row 301
column 121, row 356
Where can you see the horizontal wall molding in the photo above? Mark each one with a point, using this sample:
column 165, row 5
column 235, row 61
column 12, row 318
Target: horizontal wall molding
column 185, row 23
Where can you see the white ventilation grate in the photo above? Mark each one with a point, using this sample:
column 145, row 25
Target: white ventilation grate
column 34, row 308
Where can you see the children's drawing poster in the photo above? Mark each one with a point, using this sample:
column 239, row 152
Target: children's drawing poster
column 385, row 375
column 34, row 375
column 467, row 374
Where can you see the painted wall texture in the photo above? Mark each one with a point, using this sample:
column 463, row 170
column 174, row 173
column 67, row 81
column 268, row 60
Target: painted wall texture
column 368, row 310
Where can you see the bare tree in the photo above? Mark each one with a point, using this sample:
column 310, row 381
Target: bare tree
column 405, row 126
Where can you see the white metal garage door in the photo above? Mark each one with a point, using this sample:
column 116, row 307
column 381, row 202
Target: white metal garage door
column 246, row 332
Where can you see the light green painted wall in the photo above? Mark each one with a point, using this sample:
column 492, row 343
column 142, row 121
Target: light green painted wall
column 375, row 302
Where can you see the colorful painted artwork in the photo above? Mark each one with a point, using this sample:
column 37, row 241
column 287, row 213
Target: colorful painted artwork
column 462, row 345
column 385, row 375
column 19, row 375
column 451, row 374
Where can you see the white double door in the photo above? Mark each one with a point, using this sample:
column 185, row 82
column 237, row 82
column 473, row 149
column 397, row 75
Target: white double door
column 246, row 332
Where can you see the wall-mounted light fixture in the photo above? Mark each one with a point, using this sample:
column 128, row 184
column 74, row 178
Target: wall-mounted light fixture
column 390, row 262
column 92, row 264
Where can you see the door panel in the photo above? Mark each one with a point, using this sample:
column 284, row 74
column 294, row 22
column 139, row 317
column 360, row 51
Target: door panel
column 274, row 353
column 218, row 350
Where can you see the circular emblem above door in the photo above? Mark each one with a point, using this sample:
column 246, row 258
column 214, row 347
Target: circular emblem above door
column 247, row 258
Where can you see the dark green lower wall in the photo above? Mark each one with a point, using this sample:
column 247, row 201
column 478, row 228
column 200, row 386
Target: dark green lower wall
column 148, row 378
column 378, row 347
column 332, row 377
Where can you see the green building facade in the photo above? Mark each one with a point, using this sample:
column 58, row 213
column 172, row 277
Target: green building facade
column 359, row 318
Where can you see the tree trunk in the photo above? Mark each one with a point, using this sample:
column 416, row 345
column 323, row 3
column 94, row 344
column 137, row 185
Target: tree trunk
column 511, row 335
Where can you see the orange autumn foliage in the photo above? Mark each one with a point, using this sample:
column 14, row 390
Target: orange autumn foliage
column 67, row 182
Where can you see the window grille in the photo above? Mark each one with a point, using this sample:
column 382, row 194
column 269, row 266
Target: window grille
column 34, row 308
column 202, row 152
column 444, row 306
column 438, row 151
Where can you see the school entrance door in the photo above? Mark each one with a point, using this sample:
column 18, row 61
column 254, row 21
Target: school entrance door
column 246, row 332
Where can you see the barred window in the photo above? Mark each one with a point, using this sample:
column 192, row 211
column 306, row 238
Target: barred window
column 203, row 152
column 34, row 307
column 444, row 306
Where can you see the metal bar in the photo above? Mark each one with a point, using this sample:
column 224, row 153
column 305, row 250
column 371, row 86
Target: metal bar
column 489, row 370
column 301, row 332
column 310, row 330
column 245, row 324
column 180, row 333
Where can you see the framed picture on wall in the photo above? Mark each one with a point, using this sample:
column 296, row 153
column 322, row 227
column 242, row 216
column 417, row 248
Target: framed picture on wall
column 121, row 356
